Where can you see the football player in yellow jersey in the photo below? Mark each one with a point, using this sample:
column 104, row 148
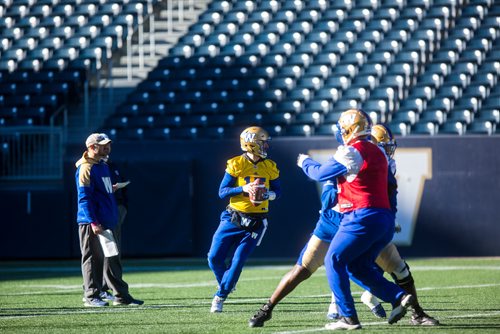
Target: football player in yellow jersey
column 243, row 223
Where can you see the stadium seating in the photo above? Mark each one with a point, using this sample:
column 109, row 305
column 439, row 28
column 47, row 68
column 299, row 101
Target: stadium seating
column 423, row 67
column 48, row 48
column 391, row 60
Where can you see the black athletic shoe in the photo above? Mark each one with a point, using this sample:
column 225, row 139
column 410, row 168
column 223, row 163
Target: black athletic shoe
column 348, row 323
column 423, row 319
column 129, row 301
column 263, row 314
column 399, row 310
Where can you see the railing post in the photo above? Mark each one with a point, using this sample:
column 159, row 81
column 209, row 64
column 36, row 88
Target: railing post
column 109, row 57
column 180, row 9
column 130, row 31
column 170, row 15
column 98, row 55
column 140, row 21
column 152, row 27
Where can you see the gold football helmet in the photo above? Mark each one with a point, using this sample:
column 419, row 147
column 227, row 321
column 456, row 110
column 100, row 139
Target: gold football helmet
column 255, row 140
column 382, row 136
column 352, row 124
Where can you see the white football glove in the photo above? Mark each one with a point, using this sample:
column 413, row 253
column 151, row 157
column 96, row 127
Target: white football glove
column 270, row 195
column 301, row 158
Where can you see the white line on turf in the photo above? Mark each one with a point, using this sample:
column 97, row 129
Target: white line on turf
column 77, row 269
column 66, row 288
column 463, row 316
column 99, row 310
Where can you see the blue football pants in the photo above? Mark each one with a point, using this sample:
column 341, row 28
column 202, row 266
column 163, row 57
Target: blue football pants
column 352, row 253
column 236, row 243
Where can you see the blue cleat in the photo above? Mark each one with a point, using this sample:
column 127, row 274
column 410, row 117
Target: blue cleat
column 379, row 311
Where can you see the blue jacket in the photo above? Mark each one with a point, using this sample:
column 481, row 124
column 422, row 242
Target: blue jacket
column 96, row 202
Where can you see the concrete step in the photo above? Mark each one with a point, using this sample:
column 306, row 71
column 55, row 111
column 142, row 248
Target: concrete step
column 103, row 103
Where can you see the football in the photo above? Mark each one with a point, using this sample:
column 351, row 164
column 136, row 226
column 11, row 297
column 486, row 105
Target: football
column 259, row 196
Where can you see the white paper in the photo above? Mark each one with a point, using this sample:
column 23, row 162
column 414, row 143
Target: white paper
column 120, row 185
column 108, row 243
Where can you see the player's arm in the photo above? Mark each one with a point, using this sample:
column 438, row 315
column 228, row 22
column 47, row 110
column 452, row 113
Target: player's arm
column 347, row 160
column 274, row 190
column 86, row 195
column 329, row 194
column 227, row 188
column 323, row 172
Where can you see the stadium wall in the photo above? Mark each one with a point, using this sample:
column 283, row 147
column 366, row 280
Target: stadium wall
column 448, row 201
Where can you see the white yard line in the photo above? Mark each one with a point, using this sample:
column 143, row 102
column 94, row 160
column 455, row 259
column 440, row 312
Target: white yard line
column 229, row 301
column 119, row 309
column 77, row 269
column 384, row 323
column 72, row 287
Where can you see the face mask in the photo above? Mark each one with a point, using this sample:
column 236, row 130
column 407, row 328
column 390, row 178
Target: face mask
column 338, row 134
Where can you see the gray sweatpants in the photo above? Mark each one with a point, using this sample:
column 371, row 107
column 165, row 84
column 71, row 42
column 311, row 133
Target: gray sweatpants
column 95, row 266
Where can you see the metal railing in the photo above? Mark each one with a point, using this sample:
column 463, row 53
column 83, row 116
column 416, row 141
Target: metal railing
column 31, row 153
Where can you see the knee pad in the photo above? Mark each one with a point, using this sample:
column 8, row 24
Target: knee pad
column 314, row 254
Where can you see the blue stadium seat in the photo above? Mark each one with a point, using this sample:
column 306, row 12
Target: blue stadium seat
column 325, row 129
column 312, row 118
column 434, row 116
column 481, row 127
column 425, row 128
column 299, row 130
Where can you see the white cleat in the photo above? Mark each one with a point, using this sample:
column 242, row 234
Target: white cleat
column 345, row 323
column 217, row 304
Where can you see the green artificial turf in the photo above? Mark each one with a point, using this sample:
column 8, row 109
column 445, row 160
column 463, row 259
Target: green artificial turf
column 46, row 297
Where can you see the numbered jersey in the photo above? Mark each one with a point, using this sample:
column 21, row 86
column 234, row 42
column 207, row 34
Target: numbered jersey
column 245, row 171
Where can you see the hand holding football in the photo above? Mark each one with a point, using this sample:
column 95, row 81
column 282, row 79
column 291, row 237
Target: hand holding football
column 258, row 195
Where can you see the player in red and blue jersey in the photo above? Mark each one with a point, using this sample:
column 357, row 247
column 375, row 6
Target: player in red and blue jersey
column 361, row 170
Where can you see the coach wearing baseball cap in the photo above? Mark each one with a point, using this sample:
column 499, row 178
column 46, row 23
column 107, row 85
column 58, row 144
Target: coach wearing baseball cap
column 97, row 213
column 97, row 139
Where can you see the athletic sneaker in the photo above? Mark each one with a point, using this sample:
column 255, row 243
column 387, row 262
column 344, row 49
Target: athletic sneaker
column 423, row 319
column 333, row 312
column 94, row 302
column 264, row 314
column 217, row 304
column 400, row 309
column 379, row 311
column 129, row 301
column 348, row 323
column 373, row 304
column 107, row 296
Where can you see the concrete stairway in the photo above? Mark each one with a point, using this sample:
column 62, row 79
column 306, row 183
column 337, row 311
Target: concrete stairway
column 114, row 82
